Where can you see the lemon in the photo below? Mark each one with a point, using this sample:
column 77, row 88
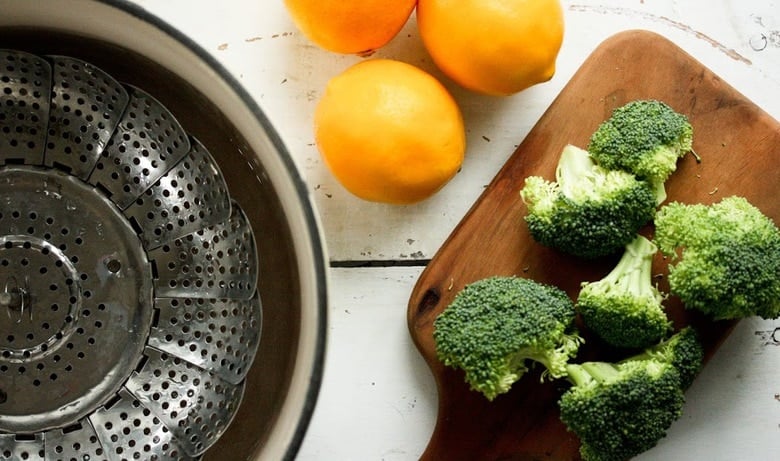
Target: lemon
column 389, row 131
column 495, row 47
column 350, row 26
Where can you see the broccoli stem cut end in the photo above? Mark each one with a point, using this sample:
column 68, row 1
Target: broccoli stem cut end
column 574, row 164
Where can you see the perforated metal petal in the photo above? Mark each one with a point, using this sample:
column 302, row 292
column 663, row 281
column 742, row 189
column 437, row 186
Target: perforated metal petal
column 217, row 262
column 131, row 431
column 147, row 143
column 15, row 447
column 86, row 106
column 218, row 335
column 195, row 405
column 77, row 442
column 189, row 197
column 25, row 87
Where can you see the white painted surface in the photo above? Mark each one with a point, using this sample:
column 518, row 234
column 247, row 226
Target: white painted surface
column 378, row 400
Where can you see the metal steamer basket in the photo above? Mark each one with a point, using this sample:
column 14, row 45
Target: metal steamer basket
column 129, row 308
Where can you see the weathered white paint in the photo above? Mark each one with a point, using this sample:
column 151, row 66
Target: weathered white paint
column 378, row 400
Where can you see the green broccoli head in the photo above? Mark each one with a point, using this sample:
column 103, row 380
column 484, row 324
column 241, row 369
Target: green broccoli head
column 588, row 211
column 494, row 326
column 729, row 257
column 644, row 137
column 624, row 308
column 621, row 410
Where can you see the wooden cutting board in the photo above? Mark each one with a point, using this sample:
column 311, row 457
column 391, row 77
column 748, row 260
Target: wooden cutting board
column 740, row 149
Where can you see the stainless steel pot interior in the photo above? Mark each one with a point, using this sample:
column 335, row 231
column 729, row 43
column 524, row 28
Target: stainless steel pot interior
column 282, row 385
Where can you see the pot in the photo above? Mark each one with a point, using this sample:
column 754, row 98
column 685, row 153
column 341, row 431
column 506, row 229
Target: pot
column 142, row 51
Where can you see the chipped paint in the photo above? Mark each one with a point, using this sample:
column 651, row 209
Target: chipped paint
column 768, row 37
column 730, row 52
column 769, row 337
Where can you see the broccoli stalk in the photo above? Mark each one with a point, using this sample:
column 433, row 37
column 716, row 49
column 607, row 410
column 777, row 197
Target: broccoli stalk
column 588, row 211
column 644, row 137
column 495, row 326
column 619, row 410
column 624, row 308
column 728, row 264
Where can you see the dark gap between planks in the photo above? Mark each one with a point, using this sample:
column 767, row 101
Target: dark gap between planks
column 380, row 263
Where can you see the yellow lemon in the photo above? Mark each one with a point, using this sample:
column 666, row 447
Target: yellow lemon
column 496, row 47
column 389, row 131
column 350, row 26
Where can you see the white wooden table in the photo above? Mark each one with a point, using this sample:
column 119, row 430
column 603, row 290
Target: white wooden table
column 378, row 399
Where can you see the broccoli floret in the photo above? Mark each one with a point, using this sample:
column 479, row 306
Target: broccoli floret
column 623, row 409
column 644, row 137
column 683, row 350
column 725, row 257
column 588, row 211
column 494, row 326
column 624, row 308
